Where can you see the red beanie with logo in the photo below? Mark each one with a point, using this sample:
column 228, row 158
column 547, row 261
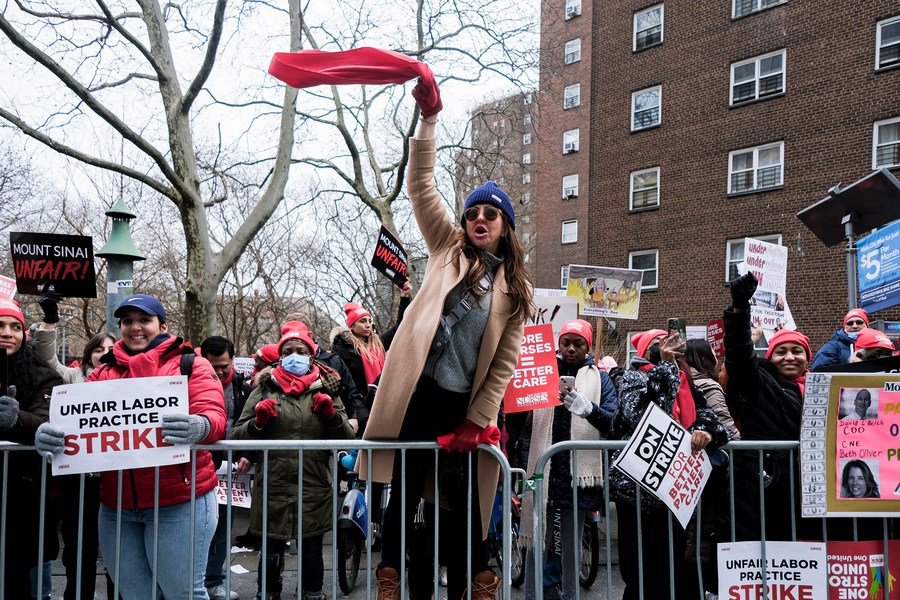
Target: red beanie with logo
column 10, row 308
column 785, row 336
column 641, row 341
column 354, row 313
column 578, row 327
column 298, row 333
column 268, row 353
column 872, row 338
column 857, row 312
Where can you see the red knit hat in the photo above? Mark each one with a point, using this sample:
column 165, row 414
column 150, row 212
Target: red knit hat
column 292, row 325
column 872, row 338
column 10, row 308
column 784, row 336
column 268, row 353
column 354, row 313
column 298, row 333
column 641, row 341
column 577, row 327
column 857, row 312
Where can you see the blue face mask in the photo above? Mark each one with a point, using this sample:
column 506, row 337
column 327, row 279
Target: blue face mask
column 853, row 335
column 296, row 364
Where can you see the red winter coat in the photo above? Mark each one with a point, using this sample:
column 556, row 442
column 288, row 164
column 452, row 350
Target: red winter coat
column 205, row 397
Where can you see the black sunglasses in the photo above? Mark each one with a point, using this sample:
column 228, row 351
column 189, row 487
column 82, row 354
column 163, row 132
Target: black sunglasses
column 490, row 213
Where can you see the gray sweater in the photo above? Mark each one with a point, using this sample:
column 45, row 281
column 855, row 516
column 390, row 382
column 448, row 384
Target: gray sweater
column 453, row 367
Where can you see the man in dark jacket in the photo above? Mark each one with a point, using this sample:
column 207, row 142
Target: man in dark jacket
column 219, row 351
column 837, row 350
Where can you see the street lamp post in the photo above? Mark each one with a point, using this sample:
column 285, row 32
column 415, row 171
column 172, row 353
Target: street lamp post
column 120, row 254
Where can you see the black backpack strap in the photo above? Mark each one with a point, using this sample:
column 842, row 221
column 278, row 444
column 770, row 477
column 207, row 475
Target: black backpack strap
column 187, row 363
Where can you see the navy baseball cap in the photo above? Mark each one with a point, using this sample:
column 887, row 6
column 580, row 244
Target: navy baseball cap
column 148, row 304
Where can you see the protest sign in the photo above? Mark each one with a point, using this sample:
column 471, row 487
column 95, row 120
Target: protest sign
column 878, row 270
column 606, row 291
column 553, row 307
column 7, row 288
column 62, row 263
column 240, row 487
column 856, row 570
column 390, row 257
column 117, row 424
column 849, row 456
column 535, row 382
column 245, row 365
column 793, row 571
column 715, row 335
column 658, row 457
column 768, row 262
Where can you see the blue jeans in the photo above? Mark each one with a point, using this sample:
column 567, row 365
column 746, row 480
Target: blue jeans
column 219, row 549
column 174, row 554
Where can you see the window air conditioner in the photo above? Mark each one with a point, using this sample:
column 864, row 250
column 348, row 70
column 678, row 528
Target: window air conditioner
column 569, row 148
column 572, row 11
column 570, row 193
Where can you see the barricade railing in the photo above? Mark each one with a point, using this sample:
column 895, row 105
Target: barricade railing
column 230, row 448
column 538, row 481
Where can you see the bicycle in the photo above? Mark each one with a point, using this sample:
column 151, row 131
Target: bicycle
column 495, row 538
column 590, row 549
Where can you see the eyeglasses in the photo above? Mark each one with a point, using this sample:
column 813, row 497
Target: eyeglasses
column 490, row 213
column 859, row 322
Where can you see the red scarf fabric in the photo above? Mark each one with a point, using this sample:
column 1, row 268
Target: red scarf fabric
column 801, row 382
column 683, row 410
column 142, row 364
column 227, row 381
column 295, row 385
column 373, row 364
column 308, row 68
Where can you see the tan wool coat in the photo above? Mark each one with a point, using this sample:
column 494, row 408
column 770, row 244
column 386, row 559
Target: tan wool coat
column 499, row 349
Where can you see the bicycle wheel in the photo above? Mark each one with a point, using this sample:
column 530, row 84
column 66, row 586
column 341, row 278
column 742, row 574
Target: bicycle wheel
column 349, row 552
column 590, row 553
column 517, row 561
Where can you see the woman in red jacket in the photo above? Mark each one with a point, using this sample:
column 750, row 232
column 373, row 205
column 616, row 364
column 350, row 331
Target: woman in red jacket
column 148, row 350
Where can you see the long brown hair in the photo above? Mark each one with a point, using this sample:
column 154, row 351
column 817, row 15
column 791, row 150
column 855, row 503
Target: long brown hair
column 92, row 345
column 518, row 279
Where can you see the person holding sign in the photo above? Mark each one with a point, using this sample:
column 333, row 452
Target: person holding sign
column 297, row 399
column 449, row 366
column 26, row 383
column 586, row 413
column 766, row 397
column 148, row 350
column 656, row 377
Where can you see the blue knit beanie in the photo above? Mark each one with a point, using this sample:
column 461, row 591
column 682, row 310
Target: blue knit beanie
column 490, row 193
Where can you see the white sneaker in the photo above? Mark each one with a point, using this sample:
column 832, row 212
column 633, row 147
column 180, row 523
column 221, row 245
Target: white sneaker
column 218, row 593
column 442, row 576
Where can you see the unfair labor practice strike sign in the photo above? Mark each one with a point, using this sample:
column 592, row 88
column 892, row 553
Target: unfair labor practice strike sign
column 112, row 425
column 659, row 458
column 535, row 382
column 62, row 264
column 793, row 571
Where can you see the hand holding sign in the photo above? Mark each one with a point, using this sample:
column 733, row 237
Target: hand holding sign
column 184, row 429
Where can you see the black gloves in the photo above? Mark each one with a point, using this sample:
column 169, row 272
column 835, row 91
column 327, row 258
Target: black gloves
column 742, row 289
column 50, row 305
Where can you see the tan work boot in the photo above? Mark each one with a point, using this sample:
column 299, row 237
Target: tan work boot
column 485, row 586
column 388, row 581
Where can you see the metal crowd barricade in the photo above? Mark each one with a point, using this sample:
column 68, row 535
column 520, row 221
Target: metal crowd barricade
column 265, row 447
column 538, row 481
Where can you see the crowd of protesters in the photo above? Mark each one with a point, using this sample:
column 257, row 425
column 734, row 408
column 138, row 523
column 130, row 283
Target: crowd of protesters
column 455, row 348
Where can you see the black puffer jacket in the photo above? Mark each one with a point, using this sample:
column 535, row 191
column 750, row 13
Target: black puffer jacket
column 768, row 408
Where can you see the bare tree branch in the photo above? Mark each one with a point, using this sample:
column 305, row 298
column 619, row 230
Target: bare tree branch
column 123, row 81
column 206, row 68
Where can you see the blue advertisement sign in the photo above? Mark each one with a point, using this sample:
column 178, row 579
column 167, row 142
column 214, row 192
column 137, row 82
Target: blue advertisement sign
column 878, row 256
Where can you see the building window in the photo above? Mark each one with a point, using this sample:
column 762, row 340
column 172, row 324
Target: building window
column 569, row 232
column 743, row 8
column 645, row 189
column 570, row 186
column 526, row 198
column 648, row 27
column 755, row 168
column 573, row 51
column 648, row 262
column 564, row 277
column 758, row 77
column 571, row 96
column 526, row 158
column 645, row 108
column 734, row 253
column 887, row 43
column 573, row 9
column 571, row 141
column 886, row 144
column 526, row 139
column 527, row 99
column 526, row 120
column 526, row 178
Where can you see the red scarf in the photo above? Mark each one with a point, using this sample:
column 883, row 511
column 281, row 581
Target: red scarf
column 227, row 381
column 142, row 364
column 373, row 364
column 294, row 385
column 801, row 383
column 683, row 409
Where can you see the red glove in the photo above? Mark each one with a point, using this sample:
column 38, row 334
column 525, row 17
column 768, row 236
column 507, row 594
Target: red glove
column 428, row 97
column 265, row 410
column 323, row 405
column 467, row 437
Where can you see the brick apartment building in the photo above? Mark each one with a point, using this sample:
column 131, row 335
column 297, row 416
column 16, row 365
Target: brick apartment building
column 712, row 121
